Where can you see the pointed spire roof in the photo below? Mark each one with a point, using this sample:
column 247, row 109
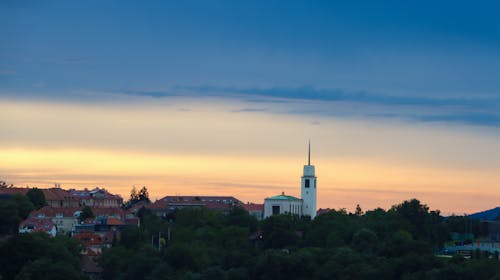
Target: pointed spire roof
column 309, row 154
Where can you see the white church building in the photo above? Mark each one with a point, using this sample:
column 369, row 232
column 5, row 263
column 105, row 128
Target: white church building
column 304, row 206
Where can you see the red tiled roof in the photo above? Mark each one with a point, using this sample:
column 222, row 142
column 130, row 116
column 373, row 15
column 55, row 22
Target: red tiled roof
column 200, row 198
column 50, row 194
column 55, row 194
column 159, row 204
column 13, row 191
column 254, row 207
column 51, row 212
column 114, row 222
column 37, row 224
column 218, row 206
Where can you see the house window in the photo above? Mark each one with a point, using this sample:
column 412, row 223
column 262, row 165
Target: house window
column 307, row 183
column 276, row 210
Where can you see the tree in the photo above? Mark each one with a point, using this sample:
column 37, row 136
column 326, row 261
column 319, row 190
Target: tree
column 23, row 205
column 13, row 211
column 86, row 214
column 36, row 197
column 143, row 194
column 46, row 268
column 139, row 195
column 133, row 194
column 39, row 256
column 359, row 211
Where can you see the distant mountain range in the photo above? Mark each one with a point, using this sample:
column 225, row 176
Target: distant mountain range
column 491, row 214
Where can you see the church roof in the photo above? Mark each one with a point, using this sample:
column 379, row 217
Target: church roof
column 283, row 197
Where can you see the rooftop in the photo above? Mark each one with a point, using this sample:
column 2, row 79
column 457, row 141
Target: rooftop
column 254, row 207
column 282, row 196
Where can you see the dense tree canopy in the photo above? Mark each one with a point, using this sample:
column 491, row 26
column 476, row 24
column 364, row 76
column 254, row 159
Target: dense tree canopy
column 12, row 211
column 38, row 256
column 396, row 244
column 196, row 243
column 139, row 195
column 36, row 197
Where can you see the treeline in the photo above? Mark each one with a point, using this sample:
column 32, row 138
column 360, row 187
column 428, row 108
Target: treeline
column 400, row 243
column 396, row 244
column 37, row 256
column 14, row 209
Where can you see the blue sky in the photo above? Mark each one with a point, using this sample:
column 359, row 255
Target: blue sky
column 400, row 98
column 395, row 53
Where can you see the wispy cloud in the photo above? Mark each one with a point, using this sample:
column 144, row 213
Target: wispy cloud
column 341, row 103
column 154, row 94
column 75, row 60
column 312, row 93
column 7, row 72
column 250, row 110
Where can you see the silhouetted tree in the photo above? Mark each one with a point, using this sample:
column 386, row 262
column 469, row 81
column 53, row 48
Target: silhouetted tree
column 359, row 211
column 86, row 214
column 36, row 197
column 141, row 195
column 12, row 212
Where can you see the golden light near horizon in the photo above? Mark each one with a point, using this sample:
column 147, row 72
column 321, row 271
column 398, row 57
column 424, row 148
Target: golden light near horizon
column 221, row 149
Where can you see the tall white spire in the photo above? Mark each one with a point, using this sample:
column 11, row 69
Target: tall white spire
column 308, row 187
column 309, row 154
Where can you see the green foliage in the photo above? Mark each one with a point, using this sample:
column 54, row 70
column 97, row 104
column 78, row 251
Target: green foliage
column 12, row 212
column 46, row 268
column 378, row 244
column 86, row 214
column 38, row 256
column 201, row 244
column 23, row 205
column 36, row 197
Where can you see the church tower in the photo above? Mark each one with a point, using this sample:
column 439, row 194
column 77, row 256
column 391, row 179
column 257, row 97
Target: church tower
column 308, row 188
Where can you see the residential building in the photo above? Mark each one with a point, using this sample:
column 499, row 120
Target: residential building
column 168, row 204
column 256, row 210
column 38, row 225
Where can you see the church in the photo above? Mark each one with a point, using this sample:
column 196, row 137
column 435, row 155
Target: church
column 304, row 206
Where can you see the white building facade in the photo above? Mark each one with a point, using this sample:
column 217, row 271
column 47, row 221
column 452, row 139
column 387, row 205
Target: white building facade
column 304, row 206
column 282, row 204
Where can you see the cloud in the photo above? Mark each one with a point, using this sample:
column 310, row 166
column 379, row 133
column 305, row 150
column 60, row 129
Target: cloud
column 311, row 93
column 316, row 103
column 250, row 110
column 266, row 100
column 74, row 60
column 479, row 119
column 154, row 94
column 341, row 103
column 7, row 72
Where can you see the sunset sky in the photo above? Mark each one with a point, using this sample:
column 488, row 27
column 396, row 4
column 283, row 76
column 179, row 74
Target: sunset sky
column 399, row 100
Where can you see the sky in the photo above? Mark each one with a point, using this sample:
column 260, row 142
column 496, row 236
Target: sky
column 399, row 99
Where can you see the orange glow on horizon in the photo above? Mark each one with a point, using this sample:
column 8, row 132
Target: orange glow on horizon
column 340, row 183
